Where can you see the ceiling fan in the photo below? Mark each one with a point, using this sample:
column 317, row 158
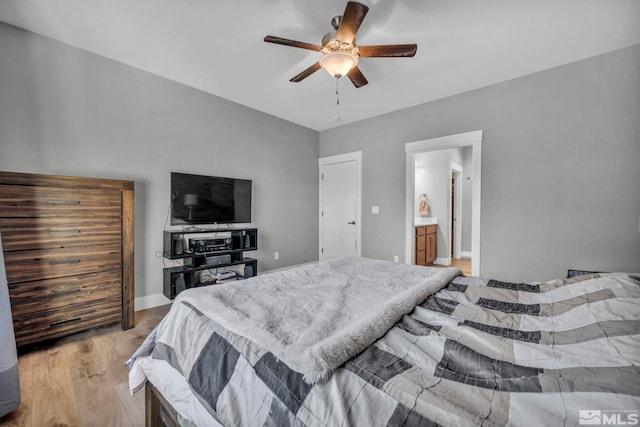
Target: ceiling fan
column 339, row 50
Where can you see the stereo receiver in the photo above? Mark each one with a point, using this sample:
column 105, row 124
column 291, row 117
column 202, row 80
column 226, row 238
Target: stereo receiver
column 211, row 244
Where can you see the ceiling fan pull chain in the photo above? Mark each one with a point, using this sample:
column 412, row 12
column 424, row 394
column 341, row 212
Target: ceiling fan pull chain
column 337, row 90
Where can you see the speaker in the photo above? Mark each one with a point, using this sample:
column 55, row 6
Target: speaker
column 248, row 271
column 218, row 260
column 247, row 241
column 178, row 283
column 178, row 246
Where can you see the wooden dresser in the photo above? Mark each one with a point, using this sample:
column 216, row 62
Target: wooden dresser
column 68, row 250
column 426, row 244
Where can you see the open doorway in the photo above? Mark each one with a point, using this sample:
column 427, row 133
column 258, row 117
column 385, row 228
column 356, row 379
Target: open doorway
column 448, row 240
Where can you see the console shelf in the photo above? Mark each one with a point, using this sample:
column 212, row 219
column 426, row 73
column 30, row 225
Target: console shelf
column 203, row 250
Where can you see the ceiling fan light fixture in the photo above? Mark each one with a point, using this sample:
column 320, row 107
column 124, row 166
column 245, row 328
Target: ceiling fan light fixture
column 338, row 63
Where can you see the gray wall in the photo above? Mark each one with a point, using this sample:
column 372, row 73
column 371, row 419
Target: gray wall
column 65, row 111
column 560, row 175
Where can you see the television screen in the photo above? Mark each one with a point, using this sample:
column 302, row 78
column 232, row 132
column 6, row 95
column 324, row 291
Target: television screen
column 200, row 199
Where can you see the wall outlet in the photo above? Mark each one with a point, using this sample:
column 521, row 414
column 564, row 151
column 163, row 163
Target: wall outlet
column 375, row 210
column 276, row 255
column 396, row 258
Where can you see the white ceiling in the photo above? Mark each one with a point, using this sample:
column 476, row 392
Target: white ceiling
column 217, row 45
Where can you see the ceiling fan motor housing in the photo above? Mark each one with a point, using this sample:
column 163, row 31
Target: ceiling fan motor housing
column 335, row 22
column 330, row 43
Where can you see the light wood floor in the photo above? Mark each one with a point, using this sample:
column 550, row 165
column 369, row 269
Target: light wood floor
column 464, row 264
column 81, row 380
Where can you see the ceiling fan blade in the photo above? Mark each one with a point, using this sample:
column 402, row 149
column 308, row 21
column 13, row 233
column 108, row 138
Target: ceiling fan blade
column 293, row 43
column 356, row 77
column 306, row 73
column 351, row 19
column 390, row 50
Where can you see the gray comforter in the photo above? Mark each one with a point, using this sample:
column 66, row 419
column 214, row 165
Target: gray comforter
column 477, row 352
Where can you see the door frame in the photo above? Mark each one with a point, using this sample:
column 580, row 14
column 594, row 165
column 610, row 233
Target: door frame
column 457, row 170
column 342, row 158
column 473, row 139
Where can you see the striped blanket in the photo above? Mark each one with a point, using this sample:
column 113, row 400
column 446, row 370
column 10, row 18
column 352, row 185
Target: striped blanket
column 478, row 352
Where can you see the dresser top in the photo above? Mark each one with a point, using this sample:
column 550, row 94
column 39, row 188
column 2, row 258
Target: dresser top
column 35, row 179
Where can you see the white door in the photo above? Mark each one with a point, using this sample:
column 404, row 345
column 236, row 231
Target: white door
column 339, row 208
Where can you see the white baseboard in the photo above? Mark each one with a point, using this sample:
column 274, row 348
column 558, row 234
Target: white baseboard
column 150, row 301
column 442, row 261
column 466, row 254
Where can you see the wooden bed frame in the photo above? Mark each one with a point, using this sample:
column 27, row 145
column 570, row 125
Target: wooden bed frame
column 157, row 410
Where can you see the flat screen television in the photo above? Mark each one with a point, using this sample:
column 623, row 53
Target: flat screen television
column 200, row 199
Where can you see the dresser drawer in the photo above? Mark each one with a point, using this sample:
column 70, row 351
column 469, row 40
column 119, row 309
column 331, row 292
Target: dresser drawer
column 56, row 232
column 62, row 292
column 24, row 266
column 31, row 201
column 431, row 229
column 30, row 328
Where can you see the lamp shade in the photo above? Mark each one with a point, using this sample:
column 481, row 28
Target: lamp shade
column 338, row 63
column 190, row 199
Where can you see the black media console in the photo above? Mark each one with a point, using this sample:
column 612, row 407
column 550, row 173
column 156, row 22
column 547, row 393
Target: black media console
column 204, row 251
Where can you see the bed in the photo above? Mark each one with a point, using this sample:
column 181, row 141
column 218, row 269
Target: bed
column 361, row 342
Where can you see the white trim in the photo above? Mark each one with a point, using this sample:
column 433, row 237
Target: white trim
column 465, row 255
column 473, row 139
column 458, row 170
column 451, row 141
column 342, row 158
column 150, row 301
column 442, row 261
